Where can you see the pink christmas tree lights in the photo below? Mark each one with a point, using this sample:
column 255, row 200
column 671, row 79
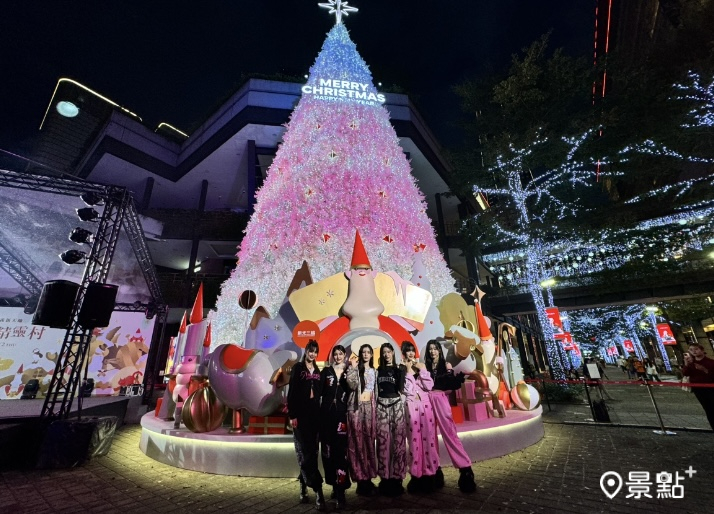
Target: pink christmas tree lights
column 340, row 168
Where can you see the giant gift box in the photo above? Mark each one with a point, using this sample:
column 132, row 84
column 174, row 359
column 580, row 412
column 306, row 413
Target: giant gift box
column 267, row 425
column 473, row 399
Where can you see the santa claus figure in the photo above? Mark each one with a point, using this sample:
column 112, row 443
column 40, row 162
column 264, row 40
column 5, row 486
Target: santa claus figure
column 363, row 307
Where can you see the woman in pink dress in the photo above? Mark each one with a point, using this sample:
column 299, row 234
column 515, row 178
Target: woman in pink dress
column 421, row 426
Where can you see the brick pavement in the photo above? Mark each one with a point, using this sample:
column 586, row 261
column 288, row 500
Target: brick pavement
column 561, row 473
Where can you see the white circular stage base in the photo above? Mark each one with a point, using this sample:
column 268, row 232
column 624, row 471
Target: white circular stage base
column 274, row 455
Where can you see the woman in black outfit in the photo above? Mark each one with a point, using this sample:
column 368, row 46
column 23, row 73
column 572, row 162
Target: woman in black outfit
column 391, row 424
column 304, row 415
column 333, row 431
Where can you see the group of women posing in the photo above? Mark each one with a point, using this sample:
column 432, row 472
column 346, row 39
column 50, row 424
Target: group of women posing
column 347, row 407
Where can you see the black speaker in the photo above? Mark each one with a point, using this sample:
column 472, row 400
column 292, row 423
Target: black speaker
column 98, row 305
column 54, row 308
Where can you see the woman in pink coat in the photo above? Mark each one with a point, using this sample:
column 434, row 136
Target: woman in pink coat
column 421, row 426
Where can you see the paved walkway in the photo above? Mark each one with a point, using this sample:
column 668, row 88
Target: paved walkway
column 561, row 473
column 631, row 404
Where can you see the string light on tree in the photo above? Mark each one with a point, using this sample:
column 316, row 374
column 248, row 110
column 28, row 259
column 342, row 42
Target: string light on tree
column 653, row 322
column 702, row 95
column 533, row 201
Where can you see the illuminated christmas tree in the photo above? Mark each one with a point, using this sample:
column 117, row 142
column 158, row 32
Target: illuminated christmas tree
column 340, row 168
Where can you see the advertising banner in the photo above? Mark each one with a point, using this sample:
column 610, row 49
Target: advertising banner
column 628, row 346
column 117, row 354
column 556, row 323
column 566, row 340
column 666, row 334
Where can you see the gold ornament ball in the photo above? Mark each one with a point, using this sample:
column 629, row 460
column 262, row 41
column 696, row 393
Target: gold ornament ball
column 203, row 411
column 525, row 396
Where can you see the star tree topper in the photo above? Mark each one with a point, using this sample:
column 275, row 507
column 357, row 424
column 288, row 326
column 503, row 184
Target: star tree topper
column 338, row 8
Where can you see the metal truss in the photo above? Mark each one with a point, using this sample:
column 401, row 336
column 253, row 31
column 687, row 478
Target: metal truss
column 58, row 185
column 71, row 361
column 14, row 265
column 155, row 350
column 135, row 233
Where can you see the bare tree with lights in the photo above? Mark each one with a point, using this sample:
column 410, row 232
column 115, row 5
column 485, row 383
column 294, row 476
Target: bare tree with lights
column 530, row 208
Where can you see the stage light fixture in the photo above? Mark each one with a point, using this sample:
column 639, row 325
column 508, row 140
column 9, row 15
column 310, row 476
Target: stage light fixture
column 151, row 311
column 91, row 199
column 73, row 257
column 81, row 236
column 88, row 214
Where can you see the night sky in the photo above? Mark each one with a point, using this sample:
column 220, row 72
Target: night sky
column 175, row 61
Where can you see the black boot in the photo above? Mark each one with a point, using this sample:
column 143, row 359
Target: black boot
column 414, row 485
column 439, row 478
column 397, row 488
column 426, row 485
column 466, row 480
column 303, row 492
column 360, row 490
column 320, row 503
column 365, row 488
column 341, row 500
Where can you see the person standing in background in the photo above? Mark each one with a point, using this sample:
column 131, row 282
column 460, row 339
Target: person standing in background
column 700, row 370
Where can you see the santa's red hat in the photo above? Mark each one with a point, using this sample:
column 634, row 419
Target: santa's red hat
column 359, row 254
column 484, row 331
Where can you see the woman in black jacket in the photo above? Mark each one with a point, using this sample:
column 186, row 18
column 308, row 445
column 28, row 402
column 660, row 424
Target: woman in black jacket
column 333, row 431
column 304, row 414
